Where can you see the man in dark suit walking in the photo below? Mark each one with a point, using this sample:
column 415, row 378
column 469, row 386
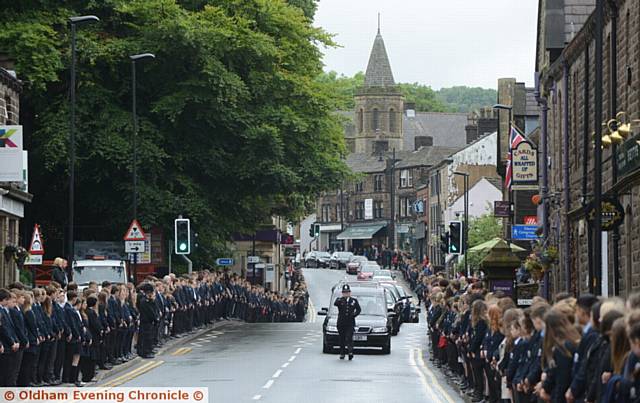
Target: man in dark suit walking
column 348, row 309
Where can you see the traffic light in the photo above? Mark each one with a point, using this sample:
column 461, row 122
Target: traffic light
column 444, row 243
column 316, row 230
column 455, row 237
column 182, row 228
column 312, row 230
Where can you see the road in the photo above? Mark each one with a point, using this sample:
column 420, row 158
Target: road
column 283, row 362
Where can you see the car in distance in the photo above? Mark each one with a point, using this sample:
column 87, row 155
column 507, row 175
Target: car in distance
column 354, row 265
column 316, row 259
column 366, row 271
column 373, row 325
column 339, row 260
column 383, row 275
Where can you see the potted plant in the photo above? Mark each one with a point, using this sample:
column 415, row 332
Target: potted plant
column 16, row 253
column 540, row 260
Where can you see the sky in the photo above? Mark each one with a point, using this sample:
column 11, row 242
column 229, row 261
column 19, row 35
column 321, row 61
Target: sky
column 434, row 42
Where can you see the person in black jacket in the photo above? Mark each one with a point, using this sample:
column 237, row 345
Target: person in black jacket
column 31, row 353
column 58, row 273
column 10, row 356
column 74, row 321
column 148, row 319
column 21, row 330
column 534, row 371
column 589, row 337
column 479, row 330
column 560, row 344
column 64, row 336
column 348, row 310
column 48, row 352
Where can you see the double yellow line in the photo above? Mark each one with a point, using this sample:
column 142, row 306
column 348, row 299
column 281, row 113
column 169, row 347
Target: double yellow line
column 312, row 312
column 144, row 368
column 181, row 351
column 417, row 357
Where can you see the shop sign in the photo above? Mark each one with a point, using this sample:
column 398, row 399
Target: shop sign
column 628, row 158
column 611, row 211
column 524, row 161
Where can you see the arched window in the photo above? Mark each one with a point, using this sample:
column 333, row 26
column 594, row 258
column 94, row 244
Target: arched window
column 376, row 119
column 392, row 120
column 360, row 121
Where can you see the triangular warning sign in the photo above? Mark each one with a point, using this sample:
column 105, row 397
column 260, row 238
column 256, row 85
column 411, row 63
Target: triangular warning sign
column 135, row 232
column 36, row 248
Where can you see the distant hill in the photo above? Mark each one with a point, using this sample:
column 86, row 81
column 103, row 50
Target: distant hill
column 454, row 99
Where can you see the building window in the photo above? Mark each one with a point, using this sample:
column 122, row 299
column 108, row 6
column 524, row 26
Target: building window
column 376, row 119
column 359, row 187
column 326, row 212
column 378, row 183
column 406, row 178
column 338, row 212
column 405, row 207
column 360, row 121
column 359, row 210
column 392, row 120
column 378, row 209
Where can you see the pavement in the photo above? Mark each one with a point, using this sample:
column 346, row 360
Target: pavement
column 283, row 362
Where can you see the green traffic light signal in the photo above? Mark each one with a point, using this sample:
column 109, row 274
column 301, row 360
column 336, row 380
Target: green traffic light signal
column 183, row 246
column 182, row 236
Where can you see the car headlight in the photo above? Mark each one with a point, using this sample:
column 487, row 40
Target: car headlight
column 379, row 330
column 331, row 328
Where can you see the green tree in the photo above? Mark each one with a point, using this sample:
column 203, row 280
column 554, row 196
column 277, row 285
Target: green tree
column 234, row 126
column 465, row 99
column 481, row 229
column 424, row 97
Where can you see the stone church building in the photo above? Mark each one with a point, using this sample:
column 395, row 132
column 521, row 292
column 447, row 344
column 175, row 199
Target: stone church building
column 392, row 146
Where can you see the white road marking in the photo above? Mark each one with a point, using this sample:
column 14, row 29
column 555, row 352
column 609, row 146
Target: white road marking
column 433, row 378
column 257, row 397
column 423, row 378
column 196, row 344
column 298, row 350
column 293, row 357
column 277, row 373
column 205, row 341
column 285, row 365
column 268, row 384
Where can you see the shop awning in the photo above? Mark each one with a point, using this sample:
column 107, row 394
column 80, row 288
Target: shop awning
column 360, row 232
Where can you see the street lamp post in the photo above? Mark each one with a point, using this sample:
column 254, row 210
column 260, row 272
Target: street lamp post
column 134, row 59
column 72, row 125
column 510, row 194
column 465, row 228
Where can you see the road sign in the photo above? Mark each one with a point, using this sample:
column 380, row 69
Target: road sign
column 33, row 260
column 253, row 259
column 531, row 220
column 37, row 247
column 135, row 232
column 134, row 246
column 225, row 261
column 501, row 208
column 524, row 232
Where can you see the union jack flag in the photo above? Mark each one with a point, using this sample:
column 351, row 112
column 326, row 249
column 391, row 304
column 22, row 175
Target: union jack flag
column 515, row 138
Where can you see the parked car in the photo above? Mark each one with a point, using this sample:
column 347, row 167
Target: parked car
column 339, row 260
column 354, row 265
column 366, row 271
column 410, row 312
column 317, row 259
column 373, row 325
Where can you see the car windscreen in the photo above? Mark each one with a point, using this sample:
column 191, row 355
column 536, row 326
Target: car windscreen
column 323, row 254
column 343, row 254
column 370, row 303
column 382, row 273
column 83, row 275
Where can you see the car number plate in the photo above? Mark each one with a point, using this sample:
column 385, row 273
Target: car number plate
column 359, row 337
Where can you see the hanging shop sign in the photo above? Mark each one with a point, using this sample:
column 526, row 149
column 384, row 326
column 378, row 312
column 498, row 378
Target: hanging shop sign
column 501, row 208
column 524, row 161
column 628, row 158
column 611, row 210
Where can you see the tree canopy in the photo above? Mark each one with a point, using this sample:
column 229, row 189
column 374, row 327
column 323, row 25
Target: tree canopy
column 454, row 99
column 234, row 126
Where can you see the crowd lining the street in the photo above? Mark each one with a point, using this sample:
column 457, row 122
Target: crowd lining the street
column 61, row 335
column 584, row 349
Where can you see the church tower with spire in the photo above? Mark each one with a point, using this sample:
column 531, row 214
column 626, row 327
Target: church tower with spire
column 379, row 105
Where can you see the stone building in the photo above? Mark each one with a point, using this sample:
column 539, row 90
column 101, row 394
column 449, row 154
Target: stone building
column 13, row 185
column 565, row 62
column 363, row 212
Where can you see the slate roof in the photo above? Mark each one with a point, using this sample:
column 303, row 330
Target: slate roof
column 446, row 129
column 531, row 107
column 576, row 13
column 426, row 156
column 378, row 72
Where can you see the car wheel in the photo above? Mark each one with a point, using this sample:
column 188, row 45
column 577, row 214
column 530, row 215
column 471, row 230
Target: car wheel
column 386, row 349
